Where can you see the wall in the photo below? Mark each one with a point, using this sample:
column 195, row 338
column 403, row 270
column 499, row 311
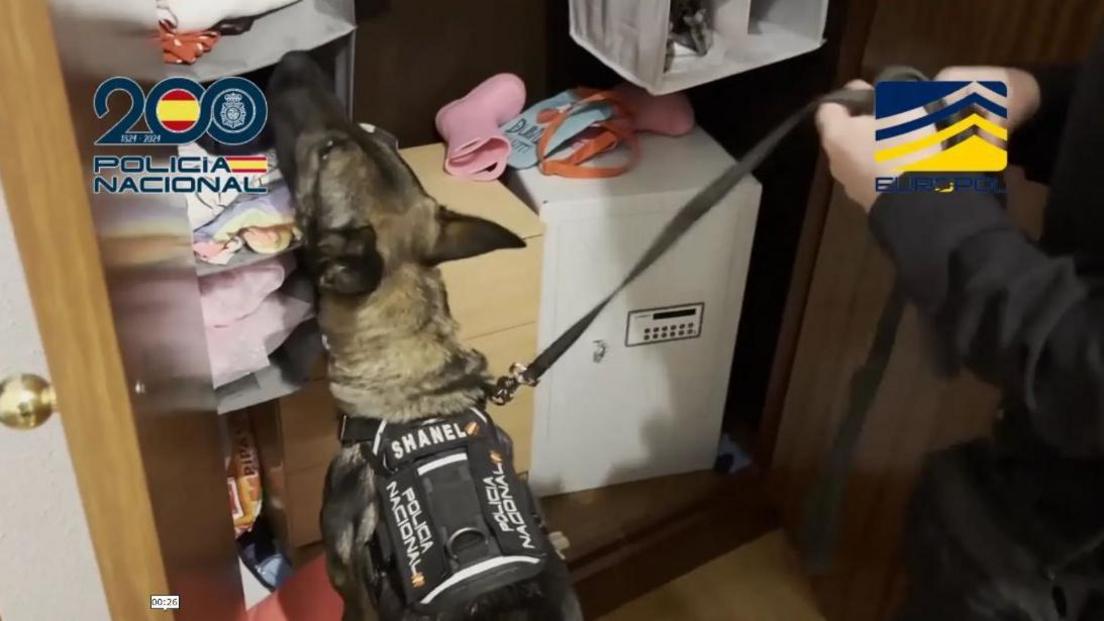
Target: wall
column 414, row 56
column 48, row 569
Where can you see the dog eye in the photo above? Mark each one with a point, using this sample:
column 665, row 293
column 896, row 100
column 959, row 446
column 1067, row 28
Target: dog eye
column 324, row 152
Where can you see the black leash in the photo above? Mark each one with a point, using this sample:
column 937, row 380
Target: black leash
column 856, row 101
column 824, row 505
column 826, row 501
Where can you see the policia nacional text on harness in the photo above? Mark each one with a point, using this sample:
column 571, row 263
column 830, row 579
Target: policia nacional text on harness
column 456, row 521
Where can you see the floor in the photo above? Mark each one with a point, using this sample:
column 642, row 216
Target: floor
column 759, row 581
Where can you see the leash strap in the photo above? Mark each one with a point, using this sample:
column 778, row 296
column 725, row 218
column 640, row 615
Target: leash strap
column 824, row 506
column 857, row 101
column 690, row 213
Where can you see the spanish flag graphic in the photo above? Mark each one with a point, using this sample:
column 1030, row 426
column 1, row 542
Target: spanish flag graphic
column 942, row 126
column 178, row 110
column 247, row 164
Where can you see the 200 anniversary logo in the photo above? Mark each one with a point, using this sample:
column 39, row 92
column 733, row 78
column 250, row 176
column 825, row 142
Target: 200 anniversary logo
column 178, row 111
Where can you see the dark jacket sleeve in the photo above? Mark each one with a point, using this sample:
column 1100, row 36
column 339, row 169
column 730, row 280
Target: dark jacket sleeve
column 1017, row 317
column 1034, row 145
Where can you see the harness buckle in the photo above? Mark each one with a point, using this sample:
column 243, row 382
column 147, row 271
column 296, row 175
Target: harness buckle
column 507, row 386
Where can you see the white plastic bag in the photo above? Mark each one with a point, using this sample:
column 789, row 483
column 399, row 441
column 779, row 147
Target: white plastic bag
column 631, row 37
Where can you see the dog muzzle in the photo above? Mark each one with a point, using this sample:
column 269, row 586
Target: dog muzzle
column 456, row 520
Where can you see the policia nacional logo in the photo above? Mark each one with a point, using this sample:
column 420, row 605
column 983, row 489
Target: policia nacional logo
column 233, row 113
column 178, row 111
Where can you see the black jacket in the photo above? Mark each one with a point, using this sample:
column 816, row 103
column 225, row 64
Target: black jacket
column 1027, row 317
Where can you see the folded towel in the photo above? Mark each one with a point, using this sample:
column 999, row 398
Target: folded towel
column 243, row 347
column 230, row 296
column 263, row 211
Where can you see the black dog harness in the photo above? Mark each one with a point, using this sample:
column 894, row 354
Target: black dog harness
column 456, row 520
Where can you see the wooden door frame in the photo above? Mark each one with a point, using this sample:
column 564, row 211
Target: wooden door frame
column 857, row 20
column 44, row 180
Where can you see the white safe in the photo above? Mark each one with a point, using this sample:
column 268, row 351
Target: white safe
column 642, row 394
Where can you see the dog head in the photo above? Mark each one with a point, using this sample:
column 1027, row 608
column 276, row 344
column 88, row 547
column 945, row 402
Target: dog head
column 362, row 211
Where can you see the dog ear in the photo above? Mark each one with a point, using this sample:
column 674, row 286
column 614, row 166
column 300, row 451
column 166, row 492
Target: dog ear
column 347, row 261
column 463, row 236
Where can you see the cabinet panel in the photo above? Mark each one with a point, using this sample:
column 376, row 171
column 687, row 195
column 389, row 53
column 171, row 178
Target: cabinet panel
column 308, row 422
column 304, row 491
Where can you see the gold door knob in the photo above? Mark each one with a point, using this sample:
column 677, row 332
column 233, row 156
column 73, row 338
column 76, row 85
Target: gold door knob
column 26, row 401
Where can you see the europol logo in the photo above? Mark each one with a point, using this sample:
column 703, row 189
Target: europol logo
column 178, row 110
column 969, row 120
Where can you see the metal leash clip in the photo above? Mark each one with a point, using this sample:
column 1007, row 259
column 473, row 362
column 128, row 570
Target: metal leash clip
column 507, row 385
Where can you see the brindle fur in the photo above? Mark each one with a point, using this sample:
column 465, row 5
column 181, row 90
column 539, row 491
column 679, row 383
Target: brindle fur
column 373, row 239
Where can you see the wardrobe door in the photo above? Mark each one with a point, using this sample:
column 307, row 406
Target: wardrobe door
column 113, row 284
column 916, row 410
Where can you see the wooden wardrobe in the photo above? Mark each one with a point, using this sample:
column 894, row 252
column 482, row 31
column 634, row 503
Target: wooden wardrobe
column 840, row 284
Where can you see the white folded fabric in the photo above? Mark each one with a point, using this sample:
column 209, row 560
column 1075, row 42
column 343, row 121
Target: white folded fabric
column 189, row 15
column 205, row 205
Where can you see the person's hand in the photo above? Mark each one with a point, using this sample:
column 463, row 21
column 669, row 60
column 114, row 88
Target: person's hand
column 849, row 143
column 1023, row 88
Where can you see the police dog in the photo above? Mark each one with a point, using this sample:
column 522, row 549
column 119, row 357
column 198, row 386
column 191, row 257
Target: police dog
column 372, row 240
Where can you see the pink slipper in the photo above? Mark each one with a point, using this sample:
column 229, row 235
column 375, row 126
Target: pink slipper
column 477, row 148
column 670, row 115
